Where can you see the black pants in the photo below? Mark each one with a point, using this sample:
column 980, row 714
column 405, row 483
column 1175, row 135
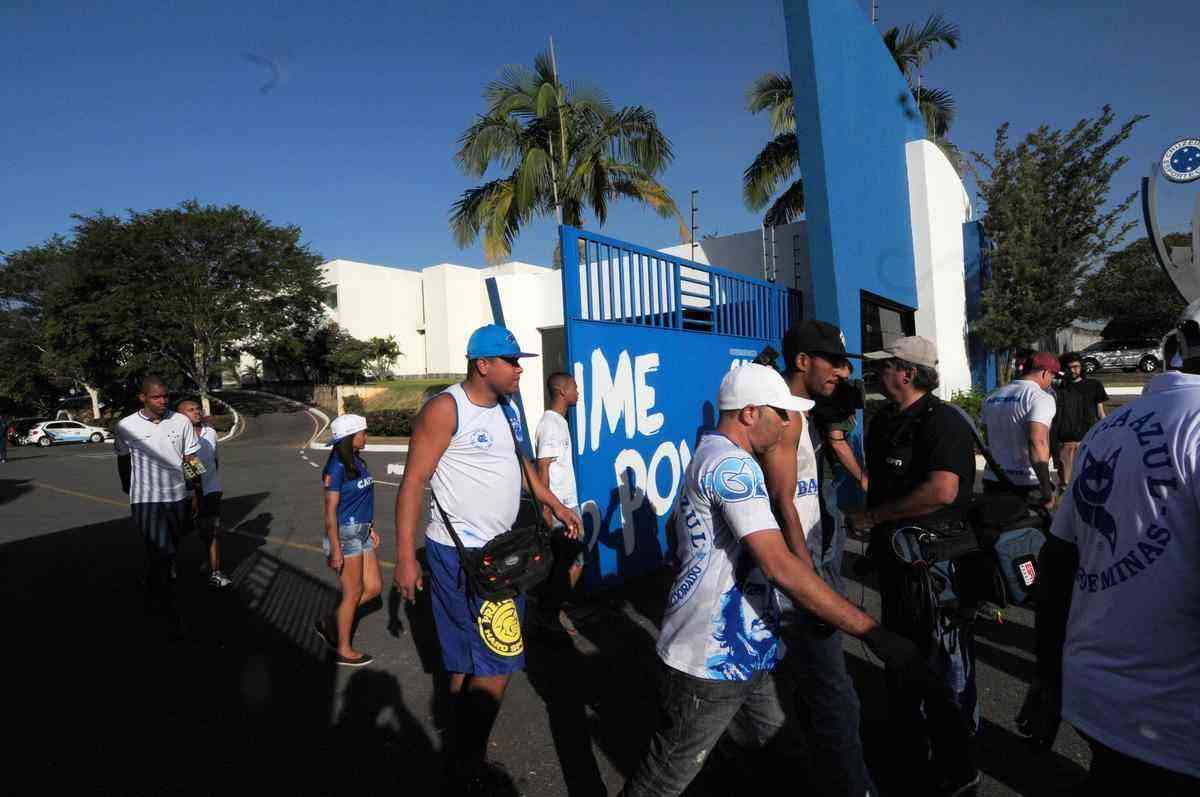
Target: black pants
column 943, row 720
column 1110, row 767
column 1033, row 493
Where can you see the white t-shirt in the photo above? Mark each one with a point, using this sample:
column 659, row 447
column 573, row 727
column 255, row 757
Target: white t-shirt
column 1007, row 413
column 210, row 480
column 808, row 496
column 1131, row 663
column 553, row 442
column 722, row 619
column 477, row 480
column 156, row 453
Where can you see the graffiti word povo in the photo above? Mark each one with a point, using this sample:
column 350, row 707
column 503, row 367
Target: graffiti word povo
column 1181, row 161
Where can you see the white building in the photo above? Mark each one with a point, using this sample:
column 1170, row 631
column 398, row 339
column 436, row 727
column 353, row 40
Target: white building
column 433, row 310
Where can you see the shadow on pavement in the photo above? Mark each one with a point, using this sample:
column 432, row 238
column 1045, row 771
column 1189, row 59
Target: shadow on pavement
column 12, row 489
column 249, row 698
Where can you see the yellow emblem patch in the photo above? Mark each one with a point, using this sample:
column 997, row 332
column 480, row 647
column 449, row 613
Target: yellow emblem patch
column 500, row 627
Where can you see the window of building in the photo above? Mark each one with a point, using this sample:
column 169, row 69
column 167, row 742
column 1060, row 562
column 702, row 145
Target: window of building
column 883, row 321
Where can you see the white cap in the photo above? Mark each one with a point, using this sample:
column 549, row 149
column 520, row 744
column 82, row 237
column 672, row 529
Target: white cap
column 760, row 386
column 346, row 425
column 914, row 349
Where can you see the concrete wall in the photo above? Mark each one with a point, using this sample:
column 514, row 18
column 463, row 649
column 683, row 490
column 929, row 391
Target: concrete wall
column 380, row 301
column 939, row 206
column 742, row 252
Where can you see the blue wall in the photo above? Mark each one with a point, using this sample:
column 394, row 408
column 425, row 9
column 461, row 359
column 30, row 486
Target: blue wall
column 854, row 115
column 976, row 267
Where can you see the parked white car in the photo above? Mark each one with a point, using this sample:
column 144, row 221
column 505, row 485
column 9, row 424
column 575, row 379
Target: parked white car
column 51, row 432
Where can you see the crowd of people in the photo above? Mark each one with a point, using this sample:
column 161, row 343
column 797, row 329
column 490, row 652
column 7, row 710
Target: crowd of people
column 757, row 596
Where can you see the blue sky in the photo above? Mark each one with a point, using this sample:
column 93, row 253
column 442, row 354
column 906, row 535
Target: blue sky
column 143, row 106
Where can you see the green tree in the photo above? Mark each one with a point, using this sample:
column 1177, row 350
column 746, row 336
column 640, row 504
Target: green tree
column 335, row 356
column 1049, row 216
column 564, row 146
column 778, row 162
column 193, row 284
column 42, row 285
column 1132, row 291
column 381, row 354
column 24, row 383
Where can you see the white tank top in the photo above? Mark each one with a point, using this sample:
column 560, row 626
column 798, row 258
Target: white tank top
column 808, row 497
column 477, row 480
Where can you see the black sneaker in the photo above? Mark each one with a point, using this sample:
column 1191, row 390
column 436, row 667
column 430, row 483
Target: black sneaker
column 361, row 661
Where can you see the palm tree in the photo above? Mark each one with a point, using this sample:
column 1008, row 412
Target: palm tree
column 779, row 160
column 563, row 147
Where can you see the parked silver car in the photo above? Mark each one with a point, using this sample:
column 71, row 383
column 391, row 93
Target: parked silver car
column 1143, row 354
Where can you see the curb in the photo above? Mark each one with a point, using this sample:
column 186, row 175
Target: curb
column 319, row 413
column 237, row 419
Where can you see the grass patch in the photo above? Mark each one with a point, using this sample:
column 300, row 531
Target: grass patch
column 1122, row 378
column 403, row 394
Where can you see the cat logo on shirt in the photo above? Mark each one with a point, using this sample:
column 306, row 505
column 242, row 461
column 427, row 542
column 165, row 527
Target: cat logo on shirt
column 500, row 627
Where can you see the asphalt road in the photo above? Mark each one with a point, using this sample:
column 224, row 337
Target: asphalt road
column 251, row 699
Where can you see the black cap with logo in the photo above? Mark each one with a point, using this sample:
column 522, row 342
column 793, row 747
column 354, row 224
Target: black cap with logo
column 814, row 337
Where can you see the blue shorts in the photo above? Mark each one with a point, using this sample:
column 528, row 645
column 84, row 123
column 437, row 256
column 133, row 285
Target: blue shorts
column 477, row 637
column 355, row 539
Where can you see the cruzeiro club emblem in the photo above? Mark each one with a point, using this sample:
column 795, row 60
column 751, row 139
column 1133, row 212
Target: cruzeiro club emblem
column 1091, row 491
column 738, row 479
column 500, row 627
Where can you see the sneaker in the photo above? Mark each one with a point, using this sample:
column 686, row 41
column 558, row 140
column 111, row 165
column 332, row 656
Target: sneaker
column 218, row 580
column 957, row 787
column 362, row 660
column 174, row 573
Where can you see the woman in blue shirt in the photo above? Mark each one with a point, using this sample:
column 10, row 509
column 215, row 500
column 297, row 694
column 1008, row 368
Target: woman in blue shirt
column 350, row 541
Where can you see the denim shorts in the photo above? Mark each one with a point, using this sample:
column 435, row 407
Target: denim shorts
column 355, row 539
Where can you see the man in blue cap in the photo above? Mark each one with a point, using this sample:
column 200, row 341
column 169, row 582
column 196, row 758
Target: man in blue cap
column 464, row 449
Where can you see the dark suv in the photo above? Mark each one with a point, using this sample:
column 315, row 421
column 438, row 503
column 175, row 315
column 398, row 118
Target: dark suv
column 1143, row 354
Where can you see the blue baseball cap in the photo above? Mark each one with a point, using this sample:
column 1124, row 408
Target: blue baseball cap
column 494, row 340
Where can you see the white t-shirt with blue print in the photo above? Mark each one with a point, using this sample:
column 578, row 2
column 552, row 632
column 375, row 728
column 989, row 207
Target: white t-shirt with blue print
column 1131, row 662
column 722, row 620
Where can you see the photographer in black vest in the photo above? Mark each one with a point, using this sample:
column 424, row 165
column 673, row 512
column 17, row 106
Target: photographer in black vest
column 921, row 465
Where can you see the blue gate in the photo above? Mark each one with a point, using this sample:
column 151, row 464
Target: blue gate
column 649, row 336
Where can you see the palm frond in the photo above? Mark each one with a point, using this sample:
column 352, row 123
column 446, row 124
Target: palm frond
column 772, row 92
column 775, row 164
column 937, row 108
column 788, row 207
column 492, row 139
column 912, row 47
column 534, row 178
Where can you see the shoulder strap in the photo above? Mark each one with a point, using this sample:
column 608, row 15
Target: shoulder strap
column 514, row 422
column 998, row 471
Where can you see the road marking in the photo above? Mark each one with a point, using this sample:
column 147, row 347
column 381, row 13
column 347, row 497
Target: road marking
column 122, row 504
column 265, row 540
column 389, row 484
column 315, row 465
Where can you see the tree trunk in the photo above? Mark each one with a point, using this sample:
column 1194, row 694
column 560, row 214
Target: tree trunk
column 201, row 377
column 94, row 394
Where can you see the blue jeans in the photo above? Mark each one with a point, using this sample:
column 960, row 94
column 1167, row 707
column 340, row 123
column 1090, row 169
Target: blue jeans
column 695, row 712
column 817, row 662
column 824, row 688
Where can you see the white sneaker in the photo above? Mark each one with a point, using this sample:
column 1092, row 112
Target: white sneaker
column 218, row 580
